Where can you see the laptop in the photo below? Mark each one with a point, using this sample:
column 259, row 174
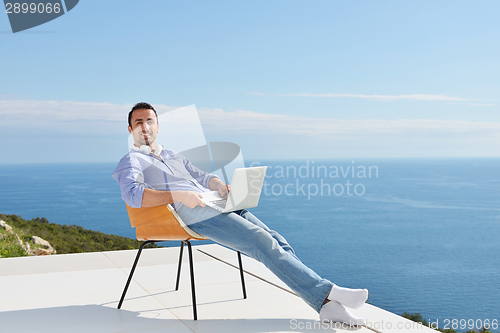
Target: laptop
column 246, row 187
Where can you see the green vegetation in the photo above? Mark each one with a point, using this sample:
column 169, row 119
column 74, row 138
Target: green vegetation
column 417, row 317
column 63, row 238
column 9, row 246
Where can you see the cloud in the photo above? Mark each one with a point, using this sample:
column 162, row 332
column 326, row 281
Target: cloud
column 60, row 111
column 11, row 96
column 412, row 97
column 46, row 113
column 327, row 128
column 85, row 125
column 35, row 111
column 282, row 136
column 478, row 104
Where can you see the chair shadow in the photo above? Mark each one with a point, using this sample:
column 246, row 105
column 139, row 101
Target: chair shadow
column 99, row 318
column 175, row 307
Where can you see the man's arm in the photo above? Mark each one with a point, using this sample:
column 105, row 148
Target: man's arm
column 206, row 179
column 136, row 195
column 153, row 198
column 215, row 184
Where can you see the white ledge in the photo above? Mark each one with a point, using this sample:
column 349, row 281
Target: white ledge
column 80, row 293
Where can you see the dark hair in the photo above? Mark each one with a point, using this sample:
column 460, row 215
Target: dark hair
column 138, row 106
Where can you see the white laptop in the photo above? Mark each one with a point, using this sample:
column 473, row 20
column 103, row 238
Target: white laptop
column 246, row 187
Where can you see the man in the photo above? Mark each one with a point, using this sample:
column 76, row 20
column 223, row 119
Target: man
column 151, row 176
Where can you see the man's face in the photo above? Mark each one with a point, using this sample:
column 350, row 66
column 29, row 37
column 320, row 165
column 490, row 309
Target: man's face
column 144, row 127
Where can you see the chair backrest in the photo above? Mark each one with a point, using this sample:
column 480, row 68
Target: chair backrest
column 159, row 223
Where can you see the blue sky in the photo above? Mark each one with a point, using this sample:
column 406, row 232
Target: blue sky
column 283, row 79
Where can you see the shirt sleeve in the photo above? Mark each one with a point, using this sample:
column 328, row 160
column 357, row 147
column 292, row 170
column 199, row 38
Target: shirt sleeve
column 128, row 174
column 201, row 176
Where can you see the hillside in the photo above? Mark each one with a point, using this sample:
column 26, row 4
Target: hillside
column 62, row 238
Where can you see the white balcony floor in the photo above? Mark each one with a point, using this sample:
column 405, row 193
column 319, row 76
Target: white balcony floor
column 80, row 293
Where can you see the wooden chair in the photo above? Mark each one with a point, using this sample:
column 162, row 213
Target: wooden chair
column 159, row 224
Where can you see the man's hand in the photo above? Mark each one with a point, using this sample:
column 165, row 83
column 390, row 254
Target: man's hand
column 224, row 190
column 215, row 184
column 189, row 198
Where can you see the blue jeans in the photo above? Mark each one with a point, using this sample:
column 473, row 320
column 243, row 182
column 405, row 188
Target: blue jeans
column 242, row 231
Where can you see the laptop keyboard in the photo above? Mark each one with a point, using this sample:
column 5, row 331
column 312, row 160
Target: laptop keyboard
column 220, row 203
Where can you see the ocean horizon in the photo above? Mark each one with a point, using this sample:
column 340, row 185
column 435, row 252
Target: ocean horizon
column 422, row 234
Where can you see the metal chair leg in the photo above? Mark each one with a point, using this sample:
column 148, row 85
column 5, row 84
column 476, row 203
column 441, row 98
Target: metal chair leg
column 179, row 267
column 191, row 269
column 242, row 276
column 132, row 271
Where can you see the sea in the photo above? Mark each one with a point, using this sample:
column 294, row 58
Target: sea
column 422, row 235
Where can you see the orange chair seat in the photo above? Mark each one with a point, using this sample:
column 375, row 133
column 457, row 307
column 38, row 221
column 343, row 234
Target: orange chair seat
column 160, row 223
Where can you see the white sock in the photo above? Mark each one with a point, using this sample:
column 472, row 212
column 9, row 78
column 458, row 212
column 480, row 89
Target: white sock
column 352, row 298
column 336, row 312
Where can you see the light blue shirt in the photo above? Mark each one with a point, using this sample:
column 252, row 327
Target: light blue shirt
column 169, row 172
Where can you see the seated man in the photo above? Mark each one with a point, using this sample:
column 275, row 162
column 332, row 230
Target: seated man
column 151, row 176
